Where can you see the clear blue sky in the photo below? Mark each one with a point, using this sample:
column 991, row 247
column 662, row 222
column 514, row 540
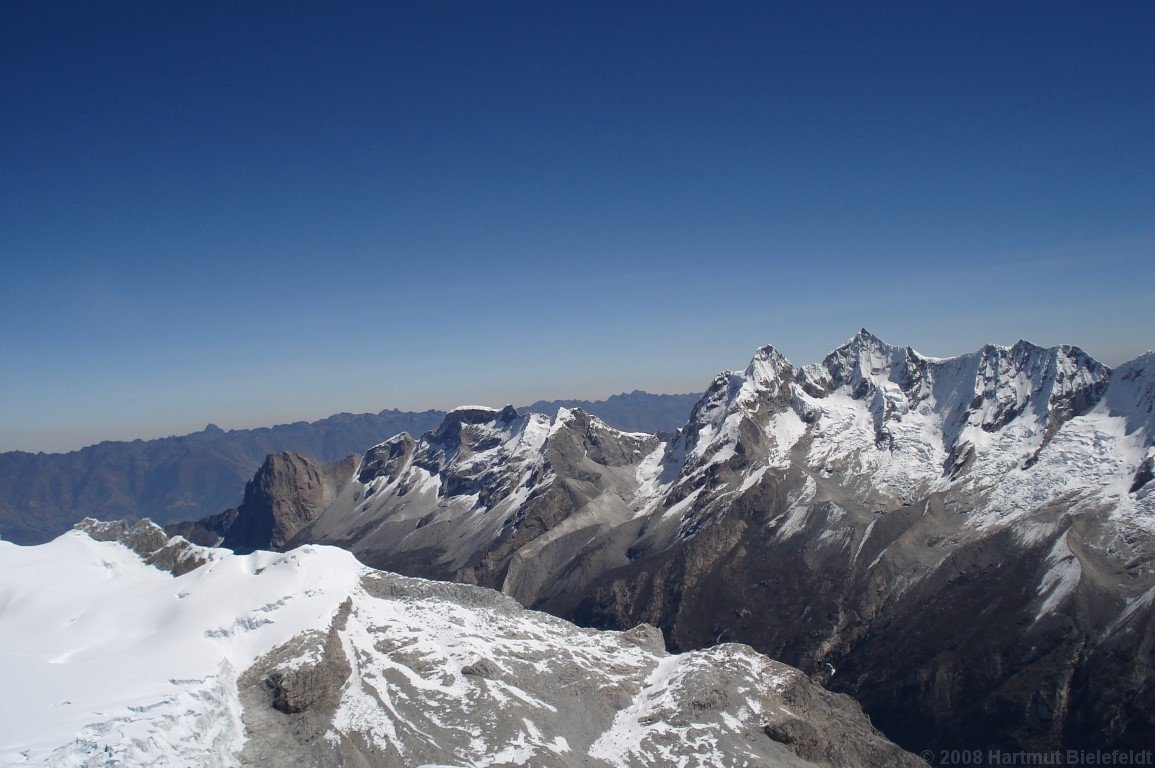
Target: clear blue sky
column 250, row 213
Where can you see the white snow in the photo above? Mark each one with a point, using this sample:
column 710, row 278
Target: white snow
column 107, row 651
column 640, row 734
column 113, row 662
column 1061, row 578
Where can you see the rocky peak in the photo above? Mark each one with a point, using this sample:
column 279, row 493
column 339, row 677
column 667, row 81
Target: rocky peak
column 769, row 369
column 387, row 459
column 457, row 419
column 866, row 363
column 577, row 433
column 286, row 495
column 474, row 429
column 147, row 539
column 1054, row 383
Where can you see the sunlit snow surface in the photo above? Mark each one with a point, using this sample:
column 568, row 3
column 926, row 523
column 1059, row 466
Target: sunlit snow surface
column 114, row 659
column 887, row 420
column 109, row 661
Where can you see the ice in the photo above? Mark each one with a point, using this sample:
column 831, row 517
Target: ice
column 105, row 649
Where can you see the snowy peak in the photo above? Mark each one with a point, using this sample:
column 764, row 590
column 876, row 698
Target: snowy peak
column 456, row 426
column 1055, row 383
column 769, row 369
column 866, row 364
column 1131, row 394
column 477, row 451
column 917, row 421
column 987, row 389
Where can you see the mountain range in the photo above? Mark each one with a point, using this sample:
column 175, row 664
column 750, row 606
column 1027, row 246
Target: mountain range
column 186, row 477
column 962, row 544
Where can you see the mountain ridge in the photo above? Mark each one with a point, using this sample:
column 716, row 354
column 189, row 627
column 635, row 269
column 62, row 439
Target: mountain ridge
column 183, row 477
column 860, row 504
column 139, row 649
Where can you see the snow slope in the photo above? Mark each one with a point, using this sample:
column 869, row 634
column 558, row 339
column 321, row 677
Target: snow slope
column 310, row 657
column 108, row 658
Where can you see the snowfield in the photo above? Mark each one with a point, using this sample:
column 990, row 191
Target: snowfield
column 114, row 659
column 310, row 657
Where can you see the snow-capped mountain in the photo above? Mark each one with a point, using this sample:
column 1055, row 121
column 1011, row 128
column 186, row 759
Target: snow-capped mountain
column 124, row 647
column 964, row 543
column 472, row 501
column 180, row 478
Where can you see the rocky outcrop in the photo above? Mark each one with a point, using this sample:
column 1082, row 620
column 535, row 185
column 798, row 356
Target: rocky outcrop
column 174, row 554
column 286, row 495
column 208, row 531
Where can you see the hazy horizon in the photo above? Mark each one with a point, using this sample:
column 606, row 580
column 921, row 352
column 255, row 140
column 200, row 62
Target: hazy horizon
column 258, row 214
column 71, row 440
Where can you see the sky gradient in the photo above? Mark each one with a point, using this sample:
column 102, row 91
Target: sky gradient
column 258, row 214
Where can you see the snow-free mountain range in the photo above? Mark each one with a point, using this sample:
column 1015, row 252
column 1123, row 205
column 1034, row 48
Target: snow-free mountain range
column 964, row 544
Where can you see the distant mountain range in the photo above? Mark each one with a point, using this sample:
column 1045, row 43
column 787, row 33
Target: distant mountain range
column 191, row 476
column 965, row 545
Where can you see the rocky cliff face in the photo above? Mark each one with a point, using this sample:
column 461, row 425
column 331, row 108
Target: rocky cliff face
column 286, row 495
column 310, row 658
column 964, row 544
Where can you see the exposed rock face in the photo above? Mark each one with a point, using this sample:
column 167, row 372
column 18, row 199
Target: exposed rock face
column 286, row 495
column 147, row 539
column 963, row 544
column 208, row 531
column 315, row 684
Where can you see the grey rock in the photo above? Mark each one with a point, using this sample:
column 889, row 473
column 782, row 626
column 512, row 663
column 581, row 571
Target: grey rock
column 542, row 692
column 287, row 494
column 175, row 555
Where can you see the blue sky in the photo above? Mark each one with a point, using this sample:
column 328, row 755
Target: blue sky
column 280, row 211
